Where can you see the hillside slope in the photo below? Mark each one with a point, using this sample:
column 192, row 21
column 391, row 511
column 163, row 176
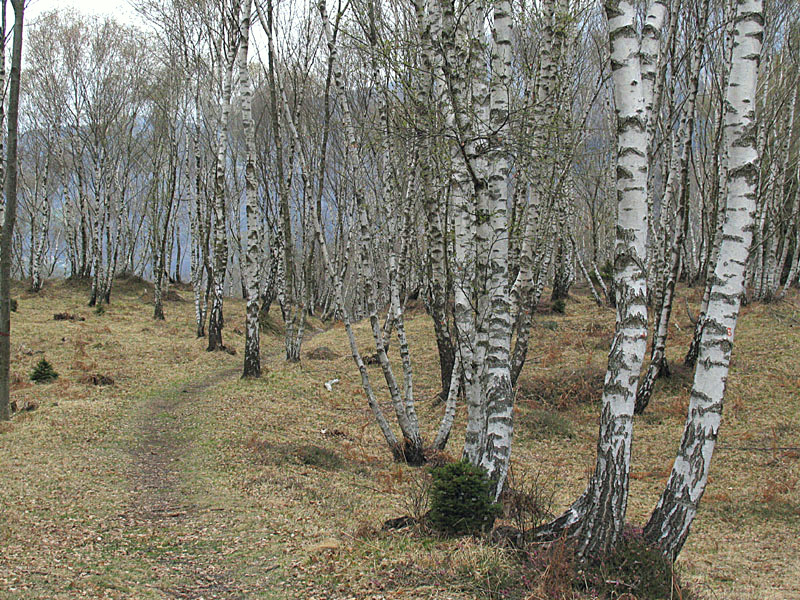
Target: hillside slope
column 181, row 480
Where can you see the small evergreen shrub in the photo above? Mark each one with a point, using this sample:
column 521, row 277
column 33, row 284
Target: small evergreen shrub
column 13, row 305
column 559, row 306
column 43, row 372
column 461, row 499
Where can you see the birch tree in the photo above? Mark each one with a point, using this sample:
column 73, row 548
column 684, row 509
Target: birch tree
column 670, row 522
column 596, row 519
column 252, row 351
column 679, row 191
column 226, row 51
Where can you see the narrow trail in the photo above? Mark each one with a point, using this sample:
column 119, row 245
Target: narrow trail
column 182, row 544
column 162, row 509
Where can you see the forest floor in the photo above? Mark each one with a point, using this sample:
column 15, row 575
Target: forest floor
column 181, row 480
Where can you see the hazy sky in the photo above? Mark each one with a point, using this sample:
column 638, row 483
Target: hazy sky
column 117, row 8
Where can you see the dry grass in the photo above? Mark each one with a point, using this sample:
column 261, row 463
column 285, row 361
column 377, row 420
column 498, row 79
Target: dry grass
column 283, row 486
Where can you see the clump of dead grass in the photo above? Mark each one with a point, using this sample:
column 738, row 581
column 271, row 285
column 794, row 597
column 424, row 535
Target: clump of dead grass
column 564, row 389
column 529, row 499
column 96, row 379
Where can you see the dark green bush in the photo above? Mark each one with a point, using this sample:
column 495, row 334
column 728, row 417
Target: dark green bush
column 43, row 372
column 13, row 305
column 461, row 499
column 559, row 306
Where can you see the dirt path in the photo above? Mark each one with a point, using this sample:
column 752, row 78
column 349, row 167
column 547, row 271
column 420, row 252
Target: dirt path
column 183, row 567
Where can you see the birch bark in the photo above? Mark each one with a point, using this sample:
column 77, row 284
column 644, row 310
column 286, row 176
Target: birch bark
column 499, row 393
column 429, row 100
column 607, row 493
column 720, row 200
column 252, row 347
column 670, row 522
column 215, row 322
column 199, row 250
column 292, row 302
column 658, row 362
column 38, row 250
column 596, row 519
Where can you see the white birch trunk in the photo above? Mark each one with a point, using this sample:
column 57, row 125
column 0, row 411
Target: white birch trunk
column 97, row 217
column 199, row 245
column 721, row 203
column 215, row 322
column 786, row 192
column 499, row 393
column 252, row 347
column 429, row 100
column 596, row 519
column 658, row 362
column 794, row 265
column 670, row 522
column 41, row 239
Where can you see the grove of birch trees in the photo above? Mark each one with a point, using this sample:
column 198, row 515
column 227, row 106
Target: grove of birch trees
column 342, row 159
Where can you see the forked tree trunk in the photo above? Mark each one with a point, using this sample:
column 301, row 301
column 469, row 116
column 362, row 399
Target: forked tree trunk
column 595, row 521
column 670, row 522
column 582, row 266
column 403, row 405
column 338, row 290
column 607, row 494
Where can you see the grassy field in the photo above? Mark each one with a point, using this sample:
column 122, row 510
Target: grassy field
column 180, row 480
